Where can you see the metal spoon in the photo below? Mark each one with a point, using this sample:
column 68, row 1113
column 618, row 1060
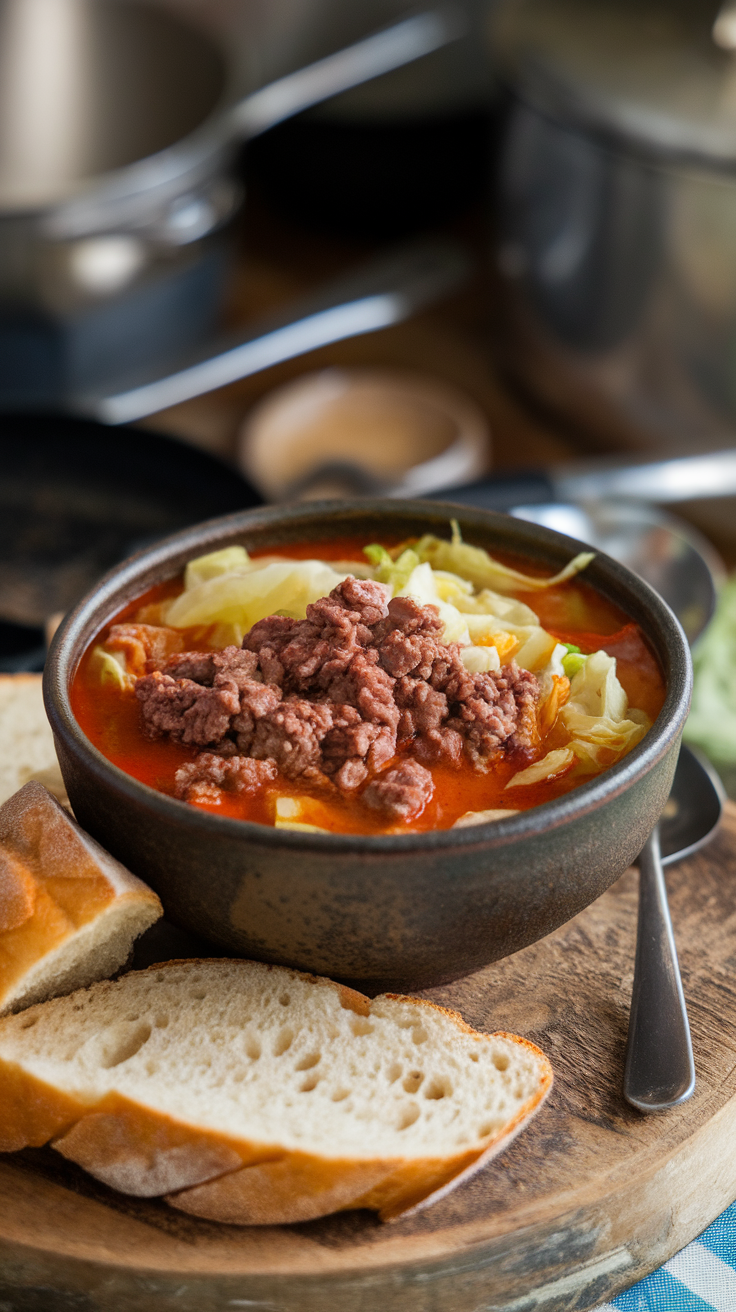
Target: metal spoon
column 659, row 1071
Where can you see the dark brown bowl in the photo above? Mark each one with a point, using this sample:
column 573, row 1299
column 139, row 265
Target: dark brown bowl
column 393, row 911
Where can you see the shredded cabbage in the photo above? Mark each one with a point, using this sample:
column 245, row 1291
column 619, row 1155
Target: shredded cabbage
column 507, row 609
column 598, row 740
column 595, row 689
column 227, row 561
column 597, row 716
column 475, row 564
column 450, row 587
column 550, row 765
column 421, row 587
column 479, row 660
column 536, row 650
column 287, row 812
column 111, row 667
column 483, row 817
column 228, row 592
column 552, row 676
column 244, row 598
column 387, row 570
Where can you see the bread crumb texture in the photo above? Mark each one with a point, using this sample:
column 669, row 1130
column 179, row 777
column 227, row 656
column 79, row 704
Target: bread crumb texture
column 69, row 912
column 326, row 1094
column 26, row 741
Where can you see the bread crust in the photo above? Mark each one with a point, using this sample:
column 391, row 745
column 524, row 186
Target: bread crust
column 300, row 1187
column 205, row 1173
column 55, row 881
column 32, row 1112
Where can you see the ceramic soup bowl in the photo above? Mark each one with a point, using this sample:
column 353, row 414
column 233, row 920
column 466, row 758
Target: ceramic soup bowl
column 394, row 911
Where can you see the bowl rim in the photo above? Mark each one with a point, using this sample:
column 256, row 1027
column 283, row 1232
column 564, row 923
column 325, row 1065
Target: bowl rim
column 99, row 605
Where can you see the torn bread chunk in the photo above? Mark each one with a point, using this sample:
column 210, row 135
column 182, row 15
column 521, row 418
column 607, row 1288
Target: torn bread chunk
column 256, row 1095
column 26, row 741
column 69, row 913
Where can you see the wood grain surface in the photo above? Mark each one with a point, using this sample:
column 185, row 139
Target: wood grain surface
column 592, row 1196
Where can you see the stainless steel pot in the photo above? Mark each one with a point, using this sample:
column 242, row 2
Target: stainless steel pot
column 617, row 217
column 118, row 127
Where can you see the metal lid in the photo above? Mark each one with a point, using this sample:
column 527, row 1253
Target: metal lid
column 652, row 72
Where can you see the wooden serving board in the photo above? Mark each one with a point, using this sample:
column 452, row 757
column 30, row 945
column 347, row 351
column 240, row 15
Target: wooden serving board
column 589, row 1199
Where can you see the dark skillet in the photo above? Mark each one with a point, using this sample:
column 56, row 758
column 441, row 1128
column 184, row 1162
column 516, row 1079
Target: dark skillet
column 75, row 498
column 395, row 911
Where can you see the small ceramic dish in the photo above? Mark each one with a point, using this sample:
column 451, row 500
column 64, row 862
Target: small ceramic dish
column 339, row 432
column 400, row 911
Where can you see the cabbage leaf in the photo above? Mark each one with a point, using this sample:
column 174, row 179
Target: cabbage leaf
column 242, row 599
column 387, row 570
column 476, row 565
column 595, row 689
column 111, row 668
column 598, row 740
column 597, row 716
column 483, row 817
column 479, row 660
column 228, row 561
column 548, row 768
column 503, row 608
column 421, row 587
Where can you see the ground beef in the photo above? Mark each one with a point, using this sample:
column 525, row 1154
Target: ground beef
column 333, row 696
column 205, row 778
column 402, row 793
column 291, row 735
column 346, row 747
column 229, row 666
column 302, row 654
column 184, row 710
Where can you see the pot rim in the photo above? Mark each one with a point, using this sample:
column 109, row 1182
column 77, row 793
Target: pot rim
column 99, row 605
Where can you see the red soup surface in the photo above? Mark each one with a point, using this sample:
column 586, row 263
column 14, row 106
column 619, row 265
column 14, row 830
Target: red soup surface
column 573, row 612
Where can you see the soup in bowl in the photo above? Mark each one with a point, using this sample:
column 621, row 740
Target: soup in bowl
column 384, row 741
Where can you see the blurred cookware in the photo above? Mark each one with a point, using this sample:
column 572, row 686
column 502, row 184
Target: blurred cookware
column 75, row 498
column 616, row 198
column 341, row 432
column 389, row 288
column 403, row 153
column 119, row 122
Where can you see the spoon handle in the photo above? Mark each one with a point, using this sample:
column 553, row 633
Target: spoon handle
column 659, row 1072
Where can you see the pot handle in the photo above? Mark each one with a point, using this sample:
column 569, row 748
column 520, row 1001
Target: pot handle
column 384, row 292
column 381, row 52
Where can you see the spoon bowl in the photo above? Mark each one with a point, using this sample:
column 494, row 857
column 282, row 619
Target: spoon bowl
column 694, row 807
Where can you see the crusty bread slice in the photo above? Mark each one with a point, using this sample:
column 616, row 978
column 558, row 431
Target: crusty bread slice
column 257, row 1095
column 26, row 742
column 69, row 912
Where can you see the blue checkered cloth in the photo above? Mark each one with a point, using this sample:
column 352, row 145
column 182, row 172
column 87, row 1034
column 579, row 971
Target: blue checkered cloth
column 702, row 1278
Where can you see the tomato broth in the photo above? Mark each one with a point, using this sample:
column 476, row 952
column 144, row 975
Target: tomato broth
column 573, row 612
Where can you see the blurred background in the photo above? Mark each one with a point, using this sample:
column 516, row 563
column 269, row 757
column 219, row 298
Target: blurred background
column 263, row 249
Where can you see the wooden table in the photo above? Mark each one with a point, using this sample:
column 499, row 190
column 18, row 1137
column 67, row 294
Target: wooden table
column 589, row 1199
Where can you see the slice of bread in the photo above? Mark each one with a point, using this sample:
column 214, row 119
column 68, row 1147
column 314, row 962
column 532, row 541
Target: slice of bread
column 26, row 742
column 69, row 912
column 257, row 1095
